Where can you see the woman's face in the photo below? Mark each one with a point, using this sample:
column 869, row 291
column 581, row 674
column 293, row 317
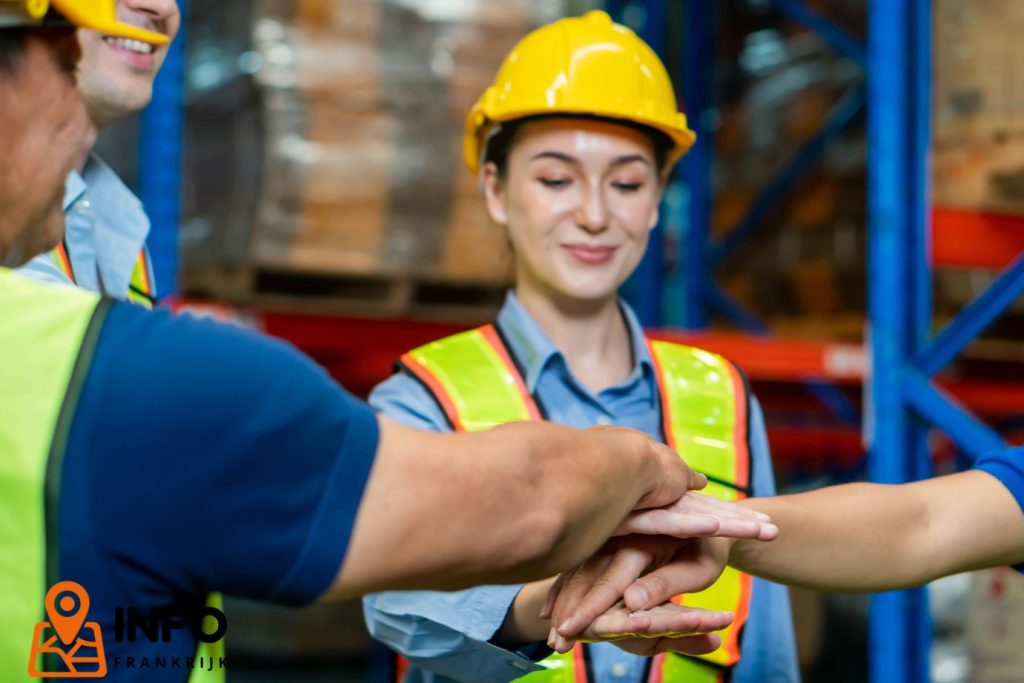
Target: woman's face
column 579, row 200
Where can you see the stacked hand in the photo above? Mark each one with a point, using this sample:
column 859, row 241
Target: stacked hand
column 622, row 593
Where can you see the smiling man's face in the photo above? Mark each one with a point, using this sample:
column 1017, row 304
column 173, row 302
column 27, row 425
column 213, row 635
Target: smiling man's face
column 116, row 75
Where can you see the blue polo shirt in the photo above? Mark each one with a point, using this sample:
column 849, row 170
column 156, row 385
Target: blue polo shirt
column 204, row 458
column 448, row 636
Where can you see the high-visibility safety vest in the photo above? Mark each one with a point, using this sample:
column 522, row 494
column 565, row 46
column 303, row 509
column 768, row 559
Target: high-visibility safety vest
column 47, row 341
column 140, row 287
column 704, row 407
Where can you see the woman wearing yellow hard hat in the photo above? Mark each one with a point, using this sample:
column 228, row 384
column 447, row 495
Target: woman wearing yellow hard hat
column 573, row 145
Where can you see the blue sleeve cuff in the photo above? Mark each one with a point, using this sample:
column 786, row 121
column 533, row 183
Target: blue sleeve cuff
column 1008, row 467
column 449, row 633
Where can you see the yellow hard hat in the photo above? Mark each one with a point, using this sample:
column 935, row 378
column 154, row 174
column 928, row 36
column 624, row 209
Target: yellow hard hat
column 97, row 15
column 585, row 65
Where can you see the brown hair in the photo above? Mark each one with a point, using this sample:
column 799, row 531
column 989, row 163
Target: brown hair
column 499, row 146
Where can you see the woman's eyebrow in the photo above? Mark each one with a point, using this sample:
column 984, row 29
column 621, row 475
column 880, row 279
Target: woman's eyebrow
column 569, row 159
column 630, row 158
column 561, row 156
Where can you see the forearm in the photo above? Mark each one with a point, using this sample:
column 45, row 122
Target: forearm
column 869, row 537
column 858, row 537
column 513, row 504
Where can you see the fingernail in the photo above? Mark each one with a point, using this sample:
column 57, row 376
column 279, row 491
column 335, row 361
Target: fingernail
column 641, row 595
column 564, row 627
column 763, row 517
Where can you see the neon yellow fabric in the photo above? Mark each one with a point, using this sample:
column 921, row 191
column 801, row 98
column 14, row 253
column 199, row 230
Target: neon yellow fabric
column 469, row 370
column 558, row 668
column 702, row 410
column 210, row 651
column 698, row 396
column 140, row 290
column 585, row 65
column 40, row 341
column 40, row 338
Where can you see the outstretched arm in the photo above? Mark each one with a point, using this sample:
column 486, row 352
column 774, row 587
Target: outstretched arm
column 869, row 537
column 856, row 538
column 519, row 502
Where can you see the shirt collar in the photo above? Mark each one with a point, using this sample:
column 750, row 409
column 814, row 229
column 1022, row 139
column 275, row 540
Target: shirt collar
column 74, row 188
column 533, row 349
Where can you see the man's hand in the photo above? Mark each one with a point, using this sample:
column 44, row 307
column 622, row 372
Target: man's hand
column 672, row 566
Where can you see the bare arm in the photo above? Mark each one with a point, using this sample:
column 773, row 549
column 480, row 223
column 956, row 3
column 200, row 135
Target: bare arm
column 869, row 537
column 855, row 538
column 519, row 502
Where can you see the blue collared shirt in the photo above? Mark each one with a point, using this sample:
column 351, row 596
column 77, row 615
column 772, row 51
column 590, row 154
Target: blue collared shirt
column 446, row 635
column 106, row 227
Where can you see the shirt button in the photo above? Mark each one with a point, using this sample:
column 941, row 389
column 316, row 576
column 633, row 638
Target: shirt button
column 84, row 205
column 604, row 420
column 619, row 670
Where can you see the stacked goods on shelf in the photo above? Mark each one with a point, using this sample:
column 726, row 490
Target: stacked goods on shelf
column 803, row 268
column 978, row 138
column 364, row 193
column 978, row 150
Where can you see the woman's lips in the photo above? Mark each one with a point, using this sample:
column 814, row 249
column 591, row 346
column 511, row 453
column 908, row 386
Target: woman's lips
column 590, row 255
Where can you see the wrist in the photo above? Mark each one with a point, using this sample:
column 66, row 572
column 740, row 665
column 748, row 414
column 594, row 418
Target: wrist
column 523, row 624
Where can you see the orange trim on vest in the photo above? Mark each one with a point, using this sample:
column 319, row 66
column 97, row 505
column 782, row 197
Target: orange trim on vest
column 742, row 477
column 64, row 261
column 401, row 666
column 579, row 663
column 657, row 662
column 491, row 335
column 740, row 437
column 143, row 267
column 441, row 394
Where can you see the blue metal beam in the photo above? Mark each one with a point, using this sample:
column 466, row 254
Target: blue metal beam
column 698, row 90
column 839, row 118
column 972, row 436
column 899, row 637
column 160, row 160
column 840, row 39
column 645, row 289
column 973, row 319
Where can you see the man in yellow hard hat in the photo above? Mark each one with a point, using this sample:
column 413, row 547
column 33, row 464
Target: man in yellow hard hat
column 236, row 464
column 104, row 245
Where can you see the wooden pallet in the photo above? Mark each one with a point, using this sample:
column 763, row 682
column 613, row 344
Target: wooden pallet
column 402, row 295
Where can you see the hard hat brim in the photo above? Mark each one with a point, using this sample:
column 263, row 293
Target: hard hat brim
column 682, row 138
column 112, row 27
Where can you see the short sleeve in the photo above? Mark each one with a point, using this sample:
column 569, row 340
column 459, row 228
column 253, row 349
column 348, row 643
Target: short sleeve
column 1008, row 467
column 217, row 459
column 762, row 474
column 405, row 400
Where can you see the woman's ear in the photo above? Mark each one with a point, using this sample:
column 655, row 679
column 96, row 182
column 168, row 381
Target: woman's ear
column 494, row 192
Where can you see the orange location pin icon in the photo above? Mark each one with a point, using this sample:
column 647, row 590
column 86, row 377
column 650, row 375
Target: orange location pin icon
column 67, row 605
